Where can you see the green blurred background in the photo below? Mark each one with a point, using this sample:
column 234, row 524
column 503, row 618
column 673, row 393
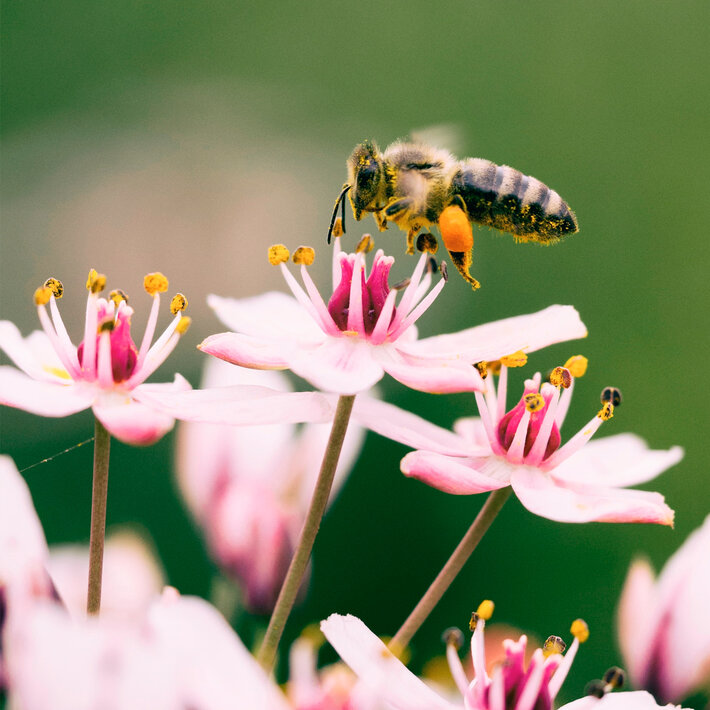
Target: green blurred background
column 186, row 137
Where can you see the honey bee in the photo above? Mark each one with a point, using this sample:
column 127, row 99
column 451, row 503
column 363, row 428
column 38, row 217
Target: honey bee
column 416, row 185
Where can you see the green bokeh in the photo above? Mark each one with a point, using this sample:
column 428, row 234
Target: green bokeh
column 607, row 102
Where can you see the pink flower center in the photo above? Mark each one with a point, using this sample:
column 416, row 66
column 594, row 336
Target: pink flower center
column 124, row 354
column 373, row 293
column 508, row 425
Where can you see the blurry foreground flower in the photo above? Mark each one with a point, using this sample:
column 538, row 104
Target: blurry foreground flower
column 577, row 482
column 105, row 372
column 639, row 700
column 249, row 487
column 664, row 624
column 512, row 685
column 346, row 345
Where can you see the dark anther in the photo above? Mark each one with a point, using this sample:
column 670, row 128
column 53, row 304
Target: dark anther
column 475, row 618
column 482, row 368
column 596, row 688
column 444, row 271
column 453, row 636
column 427, row 242
column 615, row 677
column 611, row 395
column 402, row 284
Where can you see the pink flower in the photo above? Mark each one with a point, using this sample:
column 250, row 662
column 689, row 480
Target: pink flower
column 638, row 700
column 106, row 372
column 664, row 624
column 512, row 685
column 346, row 345
column 576, row 482
column 249, row 487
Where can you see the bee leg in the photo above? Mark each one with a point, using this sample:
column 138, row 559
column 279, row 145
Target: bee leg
column 463, row 260
column 411, row 236
column 381, row 221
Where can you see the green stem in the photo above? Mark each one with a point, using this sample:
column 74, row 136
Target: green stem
column 448, row 573
column 299, row 563
column 99, row 493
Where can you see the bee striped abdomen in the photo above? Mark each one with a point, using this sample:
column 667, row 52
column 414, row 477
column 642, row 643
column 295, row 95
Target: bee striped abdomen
column 501, row 197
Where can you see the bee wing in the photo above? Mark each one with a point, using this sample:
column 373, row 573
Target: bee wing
column 449, row 136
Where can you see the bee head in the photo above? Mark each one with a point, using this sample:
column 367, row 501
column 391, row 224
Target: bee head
column 366, row 174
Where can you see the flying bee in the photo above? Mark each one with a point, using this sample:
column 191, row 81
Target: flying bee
column 416, row 185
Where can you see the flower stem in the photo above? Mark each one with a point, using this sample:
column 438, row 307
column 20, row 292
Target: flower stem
column 102, row 444
column 448, row 573
column 299, row 563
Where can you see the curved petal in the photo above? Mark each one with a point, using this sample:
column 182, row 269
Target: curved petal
column 492, row 341
column 637, row 700
column 273, row 315
column 131, row 421
column 378, row 668
column 620, row 460
column 637, row 621
column 242, row 405
column 246, row 351
column 47, row 399
column 409, row 429
column 34, row 354
column 341, row 365
column 179, row 384
column 449, row 474
column 574, row 503
column 473, row 430
column 432, row 375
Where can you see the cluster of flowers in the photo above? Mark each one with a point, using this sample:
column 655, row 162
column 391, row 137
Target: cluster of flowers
column 156, row 650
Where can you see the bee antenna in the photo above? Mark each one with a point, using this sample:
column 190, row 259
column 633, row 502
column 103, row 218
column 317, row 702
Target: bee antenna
column 340, row 202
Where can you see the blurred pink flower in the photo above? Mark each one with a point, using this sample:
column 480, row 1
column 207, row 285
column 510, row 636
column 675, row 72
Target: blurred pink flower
column 574, row 483
column 638, row 700
column 664, row 624
column 347, row 345
column 512, row 685
column 106, row 372
column 249, row 487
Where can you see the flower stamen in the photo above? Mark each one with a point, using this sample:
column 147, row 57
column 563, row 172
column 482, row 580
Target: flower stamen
column 56, row 286
column 304, row 255
column 552, row 645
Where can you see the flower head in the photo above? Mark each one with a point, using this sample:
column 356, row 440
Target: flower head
column 522, row 447
column 367, row 328
column 664, row 624
column 106, row 371
column 511, row 686
column 249, row 487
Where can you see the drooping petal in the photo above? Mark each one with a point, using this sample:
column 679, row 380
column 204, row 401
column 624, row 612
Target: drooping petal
column 492, row 341
column 243, row 405
column 573, row 503
column 428, row 374
column 637, row 700
column 272, row 315
column 473, row 430
column 34, row 354
column 131, row 421
column 638, row 621
column 619, row 460
column 409, row 429
column 449, row 474
column 341, row 365
column 378, row 668
column 46, row 399
column 246, row 351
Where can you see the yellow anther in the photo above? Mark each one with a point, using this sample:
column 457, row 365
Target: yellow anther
column 553, row 644
column 155, row 283
column 56, row 286
column 178, row 303
column 577, row 365
column 485, row 609
column 117, row 296
column 606, row 412
column 366, row 244
column 278, row 254
column 580, row 630
column 338, row 230
column 517, row 359
column 534, row 402
column 561, row 377
column 304, row 255
column 42, row 295
column 426, row 242
column 482, row 368
column 493, row 367
column 95, row 282
column 313, row 635
column 183, row 324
